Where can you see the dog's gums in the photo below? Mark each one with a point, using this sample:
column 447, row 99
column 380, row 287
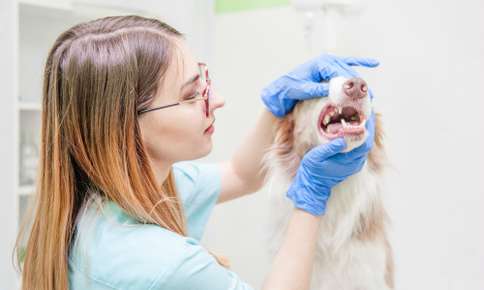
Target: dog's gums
column 336, row 121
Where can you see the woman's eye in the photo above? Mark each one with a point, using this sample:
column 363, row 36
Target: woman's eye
column 191, row 96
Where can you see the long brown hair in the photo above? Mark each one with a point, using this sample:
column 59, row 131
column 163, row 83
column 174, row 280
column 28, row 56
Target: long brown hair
column 98, row 75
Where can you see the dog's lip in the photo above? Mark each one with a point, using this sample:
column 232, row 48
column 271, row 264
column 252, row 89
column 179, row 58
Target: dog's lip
column 344, row 131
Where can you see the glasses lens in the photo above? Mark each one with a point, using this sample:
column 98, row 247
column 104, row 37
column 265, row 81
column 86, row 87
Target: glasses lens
column 205, row 83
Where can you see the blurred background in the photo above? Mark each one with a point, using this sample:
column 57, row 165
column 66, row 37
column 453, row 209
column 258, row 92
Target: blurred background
column 428, row 88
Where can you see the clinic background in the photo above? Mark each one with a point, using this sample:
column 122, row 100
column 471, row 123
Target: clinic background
column 428, row 88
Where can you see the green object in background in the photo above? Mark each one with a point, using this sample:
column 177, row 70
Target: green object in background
column 223, row 6
column 21, row 254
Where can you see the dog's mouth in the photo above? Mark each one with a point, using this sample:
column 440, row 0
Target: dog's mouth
column 340, row 121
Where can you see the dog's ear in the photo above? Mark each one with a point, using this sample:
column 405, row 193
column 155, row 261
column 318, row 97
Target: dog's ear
column 282, row 154
column 376, row 157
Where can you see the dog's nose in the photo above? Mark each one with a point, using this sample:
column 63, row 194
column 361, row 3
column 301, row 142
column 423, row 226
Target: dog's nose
column 355, row 88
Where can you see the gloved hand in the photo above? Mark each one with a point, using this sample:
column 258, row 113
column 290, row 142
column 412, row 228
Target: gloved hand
column 323, row 167
column 304, row 82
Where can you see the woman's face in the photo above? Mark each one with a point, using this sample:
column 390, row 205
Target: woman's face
column 179, row 133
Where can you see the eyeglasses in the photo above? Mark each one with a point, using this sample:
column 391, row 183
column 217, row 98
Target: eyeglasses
column 204, row 93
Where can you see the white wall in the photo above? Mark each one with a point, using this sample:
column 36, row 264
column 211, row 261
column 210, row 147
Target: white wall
column 429, row 88
column 8, row 203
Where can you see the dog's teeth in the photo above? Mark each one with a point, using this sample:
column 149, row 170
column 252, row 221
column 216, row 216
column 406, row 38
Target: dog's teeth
column 326, row 120
column 344, row 122
column 340, row 110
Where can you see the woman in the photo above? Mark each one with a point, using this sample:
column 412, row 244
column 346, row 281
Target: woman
column 124, row 102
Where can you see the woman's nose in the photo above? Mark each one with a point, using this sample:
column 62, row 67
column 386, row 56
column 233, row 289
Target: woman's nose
column 216, row 102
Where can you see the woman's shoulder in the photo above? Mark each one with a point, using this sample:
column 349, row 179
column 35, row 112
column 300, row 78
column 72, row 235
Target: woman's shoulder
column 116, row 251
column 113, row 251
column 187, row 169
column 196, row 179
column 199, row 185
column 195, row 172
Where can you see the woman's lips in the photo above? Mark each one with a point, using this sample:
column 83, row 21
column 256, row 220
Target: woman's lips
column 209, row 130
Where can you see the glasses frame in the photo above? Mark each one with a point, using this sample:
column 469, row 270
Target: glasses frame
column 204, row 95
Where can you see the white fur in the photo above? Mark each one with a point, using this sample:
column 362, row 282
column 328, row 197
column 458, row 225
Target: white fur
column 342, row 261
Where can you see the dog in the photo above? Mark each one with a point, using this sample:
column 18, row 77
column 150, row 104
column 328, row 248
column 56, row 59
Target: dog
column 353, row 250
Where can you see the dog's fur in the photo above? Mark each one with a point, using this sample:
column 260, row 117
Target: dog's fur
column 353, row 251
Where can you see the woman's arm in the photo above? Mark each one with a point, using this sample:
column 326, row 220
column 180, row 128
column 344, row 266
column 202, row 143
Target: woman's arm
column 243, row 174
column 293, row 263
column 291, row 269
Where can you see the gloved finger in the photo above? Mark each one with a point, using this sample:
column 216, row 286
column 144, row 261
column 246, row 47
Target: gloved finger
column 359, row 151
column 351, row 161
column 346, row 158
column 363, row 149
column 370, row 93
column 323, row 152
column 370, row 125
column 314, row 90
column 325, row 73
column 360, row 61
column 358, row 163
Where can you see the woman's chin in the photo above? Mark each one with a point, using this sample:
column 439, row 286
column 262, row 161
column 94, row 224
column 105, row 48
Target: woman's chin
column 208, row 147
column 205, row 149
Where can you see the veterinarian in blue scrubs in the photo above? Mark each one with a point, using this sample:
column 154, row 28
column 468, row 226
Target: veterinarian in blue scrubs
column 121, row 205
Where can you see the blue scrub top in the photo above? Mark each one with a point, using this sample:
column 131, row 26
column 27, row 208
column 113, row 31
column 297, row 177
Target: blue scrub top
column 114, row 251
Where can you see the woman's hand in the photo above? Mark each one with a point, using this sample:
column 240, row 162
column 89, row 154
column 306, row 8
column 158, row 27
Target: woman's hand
column 304, row 82
column 325, row 166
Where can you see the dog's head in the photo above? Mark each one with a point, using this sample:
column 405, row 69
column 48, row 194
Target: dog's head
column 343, row 113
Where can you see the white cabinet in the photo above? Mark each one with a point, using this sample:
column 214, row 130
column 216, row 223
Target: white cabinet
column 28, row 30
column 8, row 144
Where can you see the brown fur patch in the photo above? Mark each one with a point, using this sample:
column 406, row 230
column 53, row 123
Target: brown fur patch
column 372, row 228
column 284, row 145
column 376, row 157
column 390, row 266
column 372, row 223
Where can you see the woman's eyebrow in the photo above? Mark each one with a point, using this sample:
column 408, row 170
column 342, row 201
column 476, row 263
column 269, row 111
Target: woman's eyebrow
column 190, row 81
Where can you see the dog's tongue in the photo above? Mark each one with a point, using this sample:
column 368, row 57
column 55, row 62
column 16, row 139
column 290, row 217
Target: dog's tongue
column 334, row 128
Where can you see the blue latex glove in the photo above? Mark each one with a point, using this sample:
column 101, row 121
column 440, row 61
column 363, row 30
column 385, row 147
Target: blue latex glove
column 304, row 82
column 325, row 166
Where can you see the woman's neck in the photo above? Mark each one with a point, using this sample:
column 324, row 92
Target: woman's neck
column 161, row 170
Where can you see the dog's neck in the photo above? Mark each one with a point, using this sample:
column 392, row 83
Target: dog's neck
column 354, row 204
column 353, row 209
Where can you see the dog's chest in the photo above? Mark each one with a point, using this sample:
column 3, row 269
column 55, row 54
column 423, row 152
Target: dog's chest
column 349, row 201
column 343, row 260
